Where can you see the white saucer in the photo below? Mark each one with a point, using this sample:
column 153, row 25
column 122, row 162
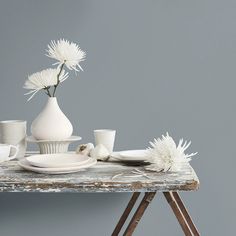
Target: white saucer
column 131, row 156
column 57, row 160
column 31, row 139
column 60, row 170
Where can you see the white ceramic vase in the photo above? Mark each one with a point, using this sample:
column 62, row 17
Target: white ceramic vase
column 51, row 123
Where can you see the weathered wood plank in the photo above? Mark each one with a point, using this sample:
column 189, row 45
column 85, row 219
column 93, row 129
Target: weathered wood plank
column 96, row 179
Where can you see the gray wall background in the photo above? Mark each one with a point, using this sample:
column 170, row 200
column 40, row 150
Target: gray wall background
column 152, row 67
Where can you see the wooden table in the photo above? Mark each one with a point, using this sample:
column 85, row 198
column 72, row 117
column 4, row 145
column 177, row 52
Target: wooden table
column 100, row 178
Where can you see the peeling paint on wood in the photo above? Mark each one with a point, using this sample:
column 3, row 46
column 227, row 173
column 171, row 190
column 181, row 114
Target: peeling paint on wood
column 96, row 179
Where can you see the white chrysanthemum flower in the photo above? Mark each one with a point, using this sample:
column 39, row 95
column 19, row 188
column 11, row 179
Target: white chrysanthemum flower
column 43, row 80
column 166, row 155
column 66, row 52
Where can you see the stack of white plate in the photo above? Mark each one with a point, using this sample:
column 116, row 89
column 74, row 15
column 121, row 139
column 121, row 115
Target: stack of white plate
column 131, row 156
column 57, row 163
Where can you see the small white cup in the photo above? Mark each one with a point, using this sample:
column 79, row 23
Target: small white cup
column 105, row 137
column 14, row 132
column 5, row 150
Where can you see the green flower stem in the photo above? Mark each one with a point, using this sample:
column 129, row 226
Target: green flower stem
column 58, row 79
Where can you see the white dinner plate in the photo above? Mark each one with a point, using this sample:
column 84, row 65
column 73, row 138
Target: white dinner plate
column 131, row 156
column 138, row 155
column 57, row 160
column 60, row 170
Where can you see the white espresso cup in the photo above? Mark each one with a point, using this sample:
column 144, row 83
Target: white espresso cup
column 14, row 132
column 5, row 150
column 105, row 137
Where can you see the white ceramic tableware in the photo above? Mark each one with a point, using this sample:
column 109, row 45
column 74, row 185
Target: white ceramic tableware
column 138, row 155
column 105, row 137
column 51, row 123
column 57, row 160
column 14, row 132
column 131, row 156
column 59, row 170
column 50, row 146
column 5, row 150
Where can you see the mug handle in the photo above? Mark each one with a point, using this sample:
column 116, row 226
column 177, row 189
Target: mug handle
column 16, row 152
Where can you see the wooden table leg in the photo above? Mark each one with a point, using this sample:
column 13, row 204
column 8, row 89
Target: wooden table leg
column 185, row 213
column 126, row 213
column 139, row 213
column 179, row 215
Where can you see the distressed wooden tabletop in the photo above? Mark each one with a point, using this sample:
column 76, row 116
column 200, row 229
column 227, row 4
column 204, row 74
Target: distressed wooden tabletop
column 99, row 178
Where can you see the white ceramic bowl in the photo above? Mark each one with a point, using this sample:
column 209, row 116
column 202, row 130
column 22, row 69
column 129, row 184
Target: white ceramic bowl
column 51, row 147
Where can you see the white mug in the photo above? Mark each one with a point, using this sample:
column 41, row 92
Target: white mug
column 14, row 132
column 105, row 137
column 5, row 150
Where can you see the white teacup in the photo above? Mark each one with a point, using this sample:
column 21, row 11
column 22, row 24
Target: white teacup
column 105, row 137
column 5, row 150
column 14, row 132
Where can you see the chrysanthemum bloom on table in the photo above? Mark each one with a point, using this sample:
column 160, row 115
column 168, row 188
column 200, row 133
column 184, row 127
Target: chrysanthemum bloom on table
column 166, row 155
column 67, row 53
column 43, row 80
